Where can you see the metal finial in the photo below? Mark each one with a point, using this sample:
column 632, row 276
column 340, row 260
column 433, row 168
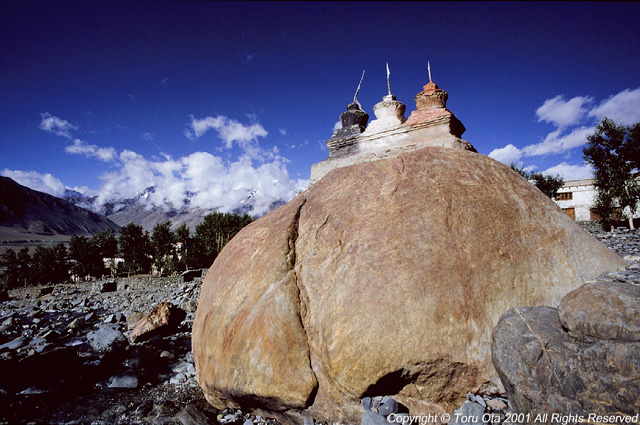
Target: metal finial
column 429, row 69
column 388, row 73
column 355, row 98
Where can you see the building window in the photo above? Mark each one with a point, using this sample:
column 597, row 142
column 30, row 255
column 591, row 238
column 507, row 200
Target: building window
column 565, row 196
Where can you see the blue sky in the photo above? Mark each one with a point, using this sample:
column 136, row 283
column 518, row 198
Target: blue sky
column 222, row 98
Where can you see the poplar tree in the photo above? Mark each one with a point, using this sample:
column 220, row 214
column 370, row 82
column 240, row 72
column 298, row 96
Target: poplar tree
column 614, row 153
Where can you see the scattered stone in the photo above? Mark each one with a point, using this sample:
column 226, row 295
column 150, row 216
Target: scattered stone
column 372, row 418
column 45, row 291
column 104, row 338
column 104, row 286
column 163, row 318
column 126, row 379
column 77, row 323
column 189, row 305
column 496, row 405
column 14, row 344
column 191, row 415
column 468, row 413
column 388, row 407
column 178, row 379
column 133, row 318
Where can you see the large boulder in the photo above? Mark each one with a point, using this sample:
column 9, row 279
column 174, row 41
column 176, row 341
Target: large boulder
column 384, row 278
column 580, row 359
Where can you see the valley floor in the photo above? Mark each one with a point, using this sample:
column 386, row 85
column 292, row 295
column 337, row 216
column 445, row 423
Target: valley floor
column 64, row 358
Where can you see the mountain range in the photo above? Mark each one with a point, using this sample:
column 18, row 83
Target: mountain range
column 136, row 210
column 30, row 215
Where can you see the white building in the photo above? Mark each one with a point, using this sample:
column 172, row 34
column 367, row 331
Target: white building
column 577, row 197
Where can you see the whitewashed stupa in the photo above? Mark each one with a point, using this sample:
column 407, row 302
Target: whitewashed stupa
column 391, row 134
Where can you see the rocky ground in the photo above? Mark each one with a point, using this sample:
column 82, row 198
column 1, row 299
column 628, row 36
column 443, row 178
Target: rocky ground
column 65, row 357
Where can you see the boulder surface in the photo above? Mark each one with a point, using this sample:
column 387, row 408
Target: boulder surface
column 385, row 278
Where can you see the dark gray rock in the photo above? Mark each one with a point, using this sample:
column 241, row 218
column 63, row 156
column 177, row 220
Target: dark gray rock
column 126, row 379
column 367, row 403
column 468, row 413
column 104, row 286
column 603, row 310
column 372, row 418
column 546, row 370
column 388, row 407
column 105, row 338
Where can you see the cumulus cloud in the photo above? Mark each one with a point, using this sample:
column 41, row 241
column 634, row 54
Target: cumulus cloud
column 507, row 155
column 575, row 119
column 571, row 172
column 563, row 113
column 56, row 125
column 559, row 141
column 623, row 108
column 199, row 180
column 232, row 132
column 32, row 179
column 91, row 151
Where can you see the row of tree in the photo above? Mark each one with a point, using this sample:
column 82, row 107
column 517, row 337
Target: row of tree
column 163, row 252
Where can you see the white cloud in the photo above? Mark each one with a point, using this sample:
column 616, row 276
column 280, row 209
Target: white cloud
column 32, row 179
column 202, row 178
column 557, row 142
column 507, row 155
column 231, row 131
column 563, row 113
column 148, row 136
column 56, row 125
column 623, row 108
column 337, row 126
column 91, row 151
column 571, row 172
column 283, row 131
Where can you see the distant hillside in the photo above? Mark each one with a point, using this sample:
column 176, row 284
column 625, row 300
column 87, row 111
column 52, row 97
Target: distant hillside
column 31, row 215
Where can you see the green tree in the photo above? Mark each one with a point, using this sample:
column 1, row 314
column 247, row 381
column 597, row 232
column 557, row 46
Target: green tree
column 548, row 184
column 183, row 236
column 614, row 152
column 106, row 243
column 107, row 246
column 164, row 253
column 85, row 257
column 135, row 247
column 12, row 278
column 213, row 234
column 49, row 265
column 24, row 265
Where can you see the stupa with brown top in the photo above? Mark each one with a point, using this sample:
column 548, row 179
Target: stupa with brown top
column 391, row 134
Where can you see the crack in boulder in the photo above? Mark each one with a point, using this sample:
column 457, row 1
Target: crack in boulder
column 292, row 237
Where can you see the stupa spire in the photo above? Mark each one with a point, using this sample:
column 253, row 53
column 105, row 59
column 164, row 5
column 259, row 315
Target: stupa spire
column 388, row 74
column 355, row 97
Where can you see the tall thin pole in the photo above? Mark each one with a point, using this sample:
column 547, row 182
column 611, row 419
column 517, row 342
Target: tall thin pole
column 388, row 73
column 355, row 98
